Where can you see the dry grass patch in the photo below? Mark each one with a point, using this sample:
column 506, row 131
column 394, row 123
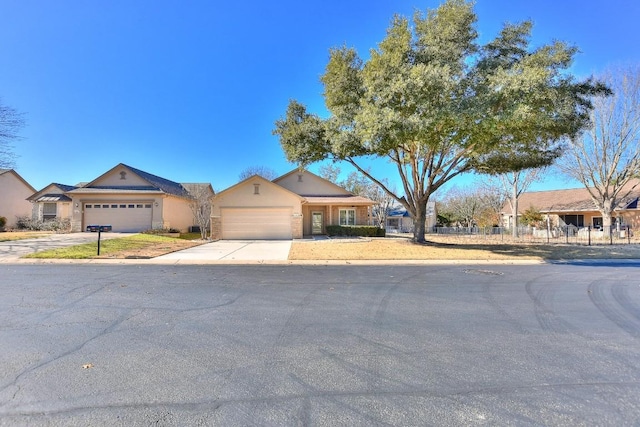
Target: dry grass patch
column 405, row 249
column 21, row 235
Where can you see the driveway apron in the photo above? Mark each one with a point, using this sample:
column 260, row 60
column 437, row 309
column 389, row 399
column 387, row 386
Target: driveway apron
column 233, row 250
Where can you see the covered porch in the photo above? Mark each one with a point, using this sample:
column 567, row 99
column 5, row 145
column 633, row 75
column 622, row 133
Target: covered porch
column 320, row 211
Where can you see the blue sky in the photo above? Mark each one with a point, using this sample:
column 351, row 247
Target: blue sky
column 190, row 90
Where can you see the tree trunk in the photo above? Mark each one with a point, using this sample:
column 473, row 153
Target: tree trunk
column 514, row 211
column 419, row 222
column 606, row 218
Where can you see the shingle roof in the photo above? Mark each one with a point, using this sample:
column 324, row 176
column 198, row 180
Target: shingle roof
column 569, row 200
column 65, row 187
column 160, row 183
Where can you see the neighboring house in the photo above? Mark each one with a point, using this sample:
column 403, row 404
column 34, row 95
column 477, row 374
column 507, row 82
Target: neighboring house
column 51, row 202
column 401, row 221
column 289, row 207
column 14, row 191
column 128, row 199
column 574, row 207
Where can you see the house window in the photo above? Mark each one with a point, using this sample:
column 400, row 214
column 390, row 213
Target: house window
column 575, row 220
column 256, row 188
column 347, row 217
column 123, row 175
column 299, row 178
column 49, row 211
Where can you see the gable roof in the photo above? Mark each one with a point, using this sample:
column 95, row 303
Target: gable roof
column 48, row 194
column 17, row 175
column 341, row 197
column 156, row 184
column 568, row 200
column 264, row 180
column 339, row 190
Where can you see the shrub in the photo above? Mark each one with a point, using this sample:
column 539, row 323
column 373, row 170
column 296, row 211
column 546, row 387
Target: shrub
column 355, row 230
column 3, row 221
column 57, row 224
column 161, row 231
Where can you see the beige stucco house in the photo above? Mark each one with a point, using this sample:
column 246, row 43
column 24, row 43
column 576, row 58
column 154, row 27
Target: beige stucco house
column 289, row 207
column 51, row 202
column 14, row 191
column 128, row 199
column 575, row 207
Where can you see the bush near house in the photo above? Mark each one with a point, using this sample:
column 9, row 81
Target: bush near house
column 57, row 224
column 3, row 222
column 355, row 230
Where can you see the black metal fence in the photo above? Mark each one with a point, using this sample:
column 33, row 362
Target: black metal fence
column 567, row 234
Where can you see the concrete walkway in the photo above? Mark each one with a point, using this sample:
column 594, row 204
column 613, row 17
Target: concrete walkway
column 232, row 250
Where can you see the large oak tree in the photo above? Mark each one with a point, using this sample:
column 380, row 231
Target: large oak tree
column 436, row 104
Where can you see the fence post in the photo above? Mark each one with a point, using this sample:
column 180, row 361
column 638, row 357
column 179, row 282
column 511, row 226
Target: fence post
column 628, row 234
column 589, row 235
column 566, row 234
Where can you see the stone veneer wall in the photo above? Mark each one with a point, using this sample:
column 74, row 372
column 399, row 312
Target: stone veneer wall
column 296, row 226
column 216, row 228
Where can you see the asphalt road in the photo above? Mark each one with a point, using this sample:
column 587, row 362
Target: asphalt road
column 320, row 345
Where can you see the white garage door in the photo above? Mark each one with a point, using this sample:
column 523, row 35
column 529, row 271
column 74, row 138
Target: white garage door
column 256, row 224
column 122, row 216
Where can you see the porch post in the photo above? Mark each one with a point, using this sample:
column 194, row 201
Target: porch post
column 330, row 215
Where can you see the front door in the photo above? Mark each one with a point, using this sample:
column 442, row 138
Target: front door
column 316, row 222
column 597, row 222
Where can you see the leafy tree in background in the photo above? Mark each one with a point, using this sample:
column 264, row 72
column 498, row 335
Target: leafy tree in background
column 606, row 157
column 533, row 217
column 436, row 104
column 11, row 121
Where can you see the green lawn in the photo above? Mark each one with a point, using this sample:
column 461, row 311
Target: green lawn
column 109, row 246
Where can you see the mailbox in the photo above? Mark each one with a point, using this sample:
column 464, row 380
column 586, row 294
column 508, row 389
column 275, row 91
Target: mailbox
column 94, row 228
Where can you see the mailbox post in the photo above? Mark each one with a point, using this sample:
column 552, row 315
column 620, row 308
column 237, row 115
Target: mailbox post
column 99, row 229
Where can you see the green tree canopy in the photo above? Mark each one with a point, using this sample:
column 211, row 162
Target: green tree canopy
column 437, row 104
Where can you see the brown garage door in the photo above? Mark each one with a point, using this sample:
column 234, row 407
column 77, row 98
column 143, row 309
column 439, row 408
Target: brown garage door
column 256, row 223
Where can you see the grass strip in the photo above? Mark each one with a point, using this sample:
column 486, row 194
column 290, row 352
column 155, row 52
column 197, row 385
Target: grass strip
column 107, row 246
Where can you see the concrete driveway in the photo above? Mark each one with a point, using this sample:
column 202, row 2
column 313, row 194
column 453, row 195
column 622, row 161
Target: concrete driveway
column 232, row 251
column 13, row 250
